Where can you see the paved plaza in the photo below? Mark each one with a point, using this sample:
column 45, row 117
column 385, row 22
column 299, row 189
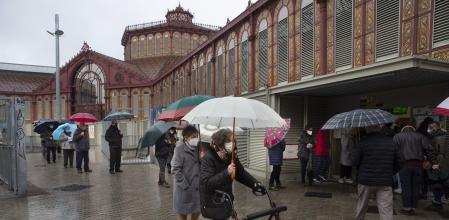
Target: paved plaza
column 135, row 194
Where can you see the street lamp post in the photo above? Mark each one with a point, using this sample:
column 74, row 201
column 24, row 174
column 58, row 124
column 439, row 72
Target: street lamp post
column 57, row 33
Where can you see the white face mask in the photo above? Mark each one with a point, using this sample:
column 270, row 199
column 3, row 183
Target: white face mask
column 429, row 130
column 309, row 132
column 193, row 142
column 228, row 146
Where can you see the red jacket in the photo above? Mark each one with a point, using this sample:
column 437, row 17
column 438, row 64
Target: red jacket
column 322, row 143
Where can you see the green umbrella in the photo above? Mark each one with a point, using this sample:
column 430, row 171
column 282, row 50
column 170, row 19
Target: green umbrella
column 155, row 132
column 178, row 109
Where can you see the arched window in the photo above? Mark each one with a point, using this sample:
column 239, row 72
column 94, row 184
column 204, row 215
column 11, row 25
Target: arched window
column 114, row 101
column 166, row 43
column 186, row 44
column 231, row 62
column 146, row 104
column 176, row 40
column 134, row 47
column 158, row 44
column 135, row 103
column 193, row 90
column 263, row 53
column 203, row 39
column 142, row 46
column 219, row 73
column 150, row 45
column 244, row 67
column 124, row 103
column 39, row 108
column 194, row 41
column 209, row 75
column 282, row 50
column 47, row 107
column 201, row 77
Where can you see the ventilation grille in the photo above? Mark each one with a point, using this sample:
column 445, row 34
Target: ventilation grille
column 343, row 33
column 307, row 41
column 230, row 79
column 441, row 23
column 244, row 70
column 387, row 33
column 219, row 77
column 263, row 58
column 283, row 50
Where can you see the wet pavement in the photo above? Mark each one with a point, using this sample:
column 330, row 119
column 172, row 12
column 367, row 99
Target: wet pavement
column 59, row 193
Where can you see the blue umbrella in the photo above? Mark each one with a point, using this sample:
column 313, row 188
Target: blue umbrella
column 57, row 133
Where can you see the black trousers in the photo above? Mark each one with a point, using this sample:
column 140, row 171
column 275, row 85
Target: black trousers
column 51, row 150
column 411, row 177
column 68, row 157
column 304, row 171
column 275, row 175
column 345, row 171
column 80, row 157
column 162, row 161
column 115, row 158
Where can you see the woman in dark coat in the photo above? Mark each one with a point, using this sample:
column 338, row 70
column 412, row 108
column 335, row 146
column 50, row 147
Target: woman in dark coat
column 217, row 171
column 305, row 148
column 276, row 154
column 186, row 170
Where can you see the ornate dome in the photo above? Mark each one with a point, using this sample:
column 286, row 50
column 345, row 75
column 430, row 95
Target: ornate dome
column 179, row 15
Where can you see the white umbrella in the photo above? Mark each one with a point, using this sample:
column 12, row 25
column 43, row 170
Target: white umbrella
column 442, row 108
column 208, row 130
column 222, row 112
column 235, row 112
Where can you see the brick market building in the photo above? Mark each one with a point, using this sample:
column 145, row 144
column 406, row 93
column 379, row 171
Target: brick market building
column 307, row 59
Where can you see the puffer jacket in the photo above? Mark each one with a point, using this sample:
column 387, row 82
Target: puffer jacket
column 304, row 139
column 376, row 159
column 414, row 146
column 276, row 153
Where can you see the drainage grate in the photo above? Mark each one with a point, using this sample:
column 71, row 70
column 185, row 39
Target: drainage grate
column 375, row 210
column 318, row 194
column 72, row 188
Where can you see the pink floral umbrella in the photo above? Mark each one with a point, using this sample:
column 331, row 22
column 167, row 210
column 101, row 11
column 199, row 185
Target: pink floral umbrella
column 275, row 135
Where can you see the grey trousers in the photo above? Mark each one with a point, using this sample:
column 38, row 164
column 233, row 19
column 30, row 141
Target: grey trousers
column 384, row 196
column 162, row 161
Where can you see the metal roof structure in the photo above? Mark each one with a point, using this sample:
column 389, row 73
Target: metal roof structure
column 27, row 68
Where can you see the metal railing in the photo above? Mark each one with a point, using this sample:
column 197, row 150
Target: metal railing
column 156, row 23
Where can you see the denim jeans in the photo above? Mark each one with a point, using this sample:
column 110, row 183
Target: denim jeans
column 411, row 177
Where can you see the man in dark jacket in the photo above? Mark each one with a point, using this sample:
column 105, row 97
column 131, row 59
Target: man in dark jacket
column 377, row 161
column 161, row 152
column 414, row 149
column 50, row 146
column 114, row 137
column 305, row 153
column 81, row 140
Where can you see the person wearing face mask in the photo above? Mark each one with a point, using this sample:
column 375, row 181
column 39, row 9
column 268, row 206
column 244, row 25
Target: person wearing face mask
column 186, row 171
column 81, row 140
column 67, row 147
column 305, row 148
column 114, row 137
column 172, row 139
column 162, row 150
column 217, row 172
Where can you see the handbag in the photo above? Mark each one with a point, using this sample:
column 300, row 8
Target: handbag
column 219, row 206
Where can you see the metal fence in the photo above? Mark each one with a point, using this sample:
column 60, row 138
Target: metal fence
column 12, row 144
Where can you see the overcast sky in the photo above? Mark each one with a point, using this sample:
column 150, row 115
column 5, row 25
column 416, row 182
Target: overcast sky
column 23, row 24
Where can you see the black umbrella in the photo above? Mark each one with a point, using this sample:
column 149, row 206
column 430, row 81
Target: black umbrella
column 46, row 125
column 118, row 116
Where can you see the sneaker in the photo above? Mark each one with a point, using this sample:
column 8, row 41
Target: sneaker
column 164, row 184
column 119, row 171
column 349, row 181
column 341, row 180
column 322, row 178
column 272, row 188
